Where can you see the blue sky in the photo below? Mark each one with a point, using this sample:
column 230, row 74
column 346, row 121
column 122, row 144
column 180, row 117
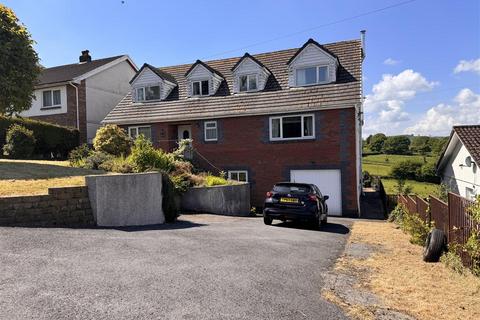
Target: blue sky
column 422, row 70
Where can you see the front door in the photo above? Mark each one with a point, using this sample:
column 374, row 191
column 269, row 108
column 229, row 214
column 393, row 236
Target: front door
column 184, row 132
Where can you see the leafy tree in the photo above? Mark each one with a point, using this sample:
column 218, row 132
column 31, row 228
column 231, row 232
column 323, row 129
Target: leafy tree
column 377, row 141
column 437, row 144
column 396, row 145
column 421, row 144
column 406, row 170
column 19, row 67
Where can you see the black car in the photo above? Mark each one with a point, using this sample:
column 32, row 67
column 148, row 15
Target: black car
column 296, row 201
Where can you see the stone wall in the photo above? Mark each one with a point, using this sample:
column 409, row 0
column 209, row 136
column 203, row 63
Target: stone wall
column 121, row 200
column 230, row 200
column 61, row 207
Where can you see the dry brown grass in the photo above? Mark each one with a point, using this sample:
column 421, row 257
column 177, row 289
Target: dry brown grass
column 24, row 177
column 406, row 283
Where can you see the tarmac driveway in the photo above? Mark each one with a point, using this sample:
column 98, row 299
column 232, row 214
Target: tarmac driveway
column 203, row 267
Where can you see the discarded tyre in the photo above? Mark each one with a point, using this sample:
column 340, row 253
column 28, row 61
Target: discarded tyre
column 434, row 245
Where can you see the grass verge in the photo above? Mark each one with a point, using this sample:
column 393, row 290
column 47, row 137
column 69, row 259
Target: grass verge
column 396, row 274
column 33, row 177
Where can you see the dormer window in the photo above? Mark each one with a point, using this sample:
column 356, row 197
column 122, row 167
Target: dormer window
column 200, row 88
column 312, row 75
column 148, row 93
column 248, row 83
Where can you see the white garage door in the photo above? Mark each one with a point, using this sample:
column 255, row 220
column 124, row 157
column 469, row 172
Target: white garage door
column 329, row 183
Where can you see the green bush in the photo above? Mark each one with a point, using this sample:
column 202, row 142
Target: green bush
column 145, row 157
column 95, row 159
column 215, row 181
column 51, row 139
column 453, row 261
column 416, row 227
column 397, row 214
column 119, row 165
column 407, row 169
column 170, row 196
column 112, row 139
column 77, row 156
column 20, row 142
column 428, row 173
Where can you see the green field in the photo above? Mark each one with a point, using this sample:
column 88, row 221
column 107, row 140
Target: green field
column 381, row 164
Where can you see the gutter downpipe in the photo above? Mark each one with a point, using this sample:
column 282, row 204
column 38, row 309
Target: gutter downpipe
column 76, row 100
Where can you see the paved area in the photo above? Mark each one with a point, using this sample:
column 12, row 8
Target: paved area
column 203, row 267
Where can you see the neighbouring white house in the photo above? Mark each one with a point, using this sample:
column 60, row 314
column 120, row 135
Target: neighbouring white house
column 81, row 94
column 458, row 164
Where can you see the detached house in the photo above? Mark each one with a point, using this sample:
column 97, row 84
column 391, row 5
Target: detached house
column 80, row 95
column 458, row 164
column 293, row 114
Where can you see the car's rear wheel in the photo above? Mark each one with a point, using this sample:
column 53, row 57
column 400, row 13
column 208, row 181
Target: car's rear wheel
column 267, row 220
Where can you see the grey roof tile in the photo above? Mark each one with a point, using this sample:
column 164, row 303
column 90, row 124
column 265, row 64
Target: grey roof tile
column 276, row 98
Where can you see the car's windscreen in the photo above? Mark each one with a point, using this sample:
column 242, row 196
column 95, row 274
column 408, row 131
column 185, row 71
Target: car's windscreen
column 283, row 188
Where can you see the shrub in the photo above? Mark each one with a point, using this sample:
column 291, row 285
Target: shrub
column 77, row 156
column 453, row 261
column 416, row 227
column 145, row 157
column 170, row 196
column 181, row 182
column 95, row 159
column 51, row 139
column 215, row 181
column 119, row 165
column 428, row 173
column 407, row 169
column 20, row 142
column 112, row 139
column 397, row 214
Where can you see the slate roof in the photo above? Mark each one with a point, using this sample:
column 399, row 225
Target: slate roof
column 70, row 71
column 276, row 98
column 470, row 137
column 162, row 74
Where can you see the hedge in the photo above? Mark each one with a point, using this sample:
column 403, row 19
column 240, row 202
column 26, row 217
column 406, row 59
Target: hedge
column 51, row 138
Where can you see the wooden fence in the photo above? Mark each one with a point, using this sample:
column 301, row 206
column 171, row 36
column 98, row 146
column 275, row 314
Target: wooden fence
column 451, row 217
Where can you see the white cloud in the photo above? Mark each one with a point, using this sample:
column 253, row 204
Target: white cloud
column 470, row 65
column 391, row 62
column 439, row 119
column 384, row 107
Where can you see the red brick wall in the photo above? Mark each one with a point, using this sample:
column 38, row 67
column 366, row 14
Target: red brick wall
column 244, row 145
column 69, row 118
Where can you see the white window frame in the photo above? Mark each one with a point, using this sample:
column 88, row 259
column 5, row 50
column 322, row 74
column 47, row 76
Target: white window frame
column 248, row 82
column 201, row 90
column 302, row 128
column 318, row 74
column 136, row 129
column 145, row 93
column 211, row 128
column 238, row 173
column 136, row 93
column 51, row 97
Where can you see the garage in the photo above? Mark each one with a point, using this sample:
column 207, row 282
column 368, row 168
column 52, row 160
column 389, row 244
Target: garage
column 329, row 183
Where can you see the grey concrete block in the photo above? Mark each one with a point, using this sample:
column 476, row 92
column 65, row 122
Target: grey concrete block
column 126, row 199
column 231, row 200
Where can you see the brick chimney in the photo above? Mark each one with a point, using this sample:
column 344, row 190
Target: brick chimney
column 85, row 57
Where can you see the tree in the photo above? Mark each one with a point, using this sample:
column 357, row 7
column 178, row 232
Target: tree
column 437, row 144
column 112, row 139
column 19, row 65
column 377, row 141
column 396, row 145
column 421, row 144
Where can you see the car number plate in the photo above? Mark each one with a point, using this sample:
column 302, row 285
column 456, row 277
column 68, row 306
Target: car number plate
column 289, row 200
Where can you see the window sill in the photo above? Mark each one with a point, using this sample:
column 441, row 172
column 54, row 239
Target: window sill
column 291, row 139
column 50, row 108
